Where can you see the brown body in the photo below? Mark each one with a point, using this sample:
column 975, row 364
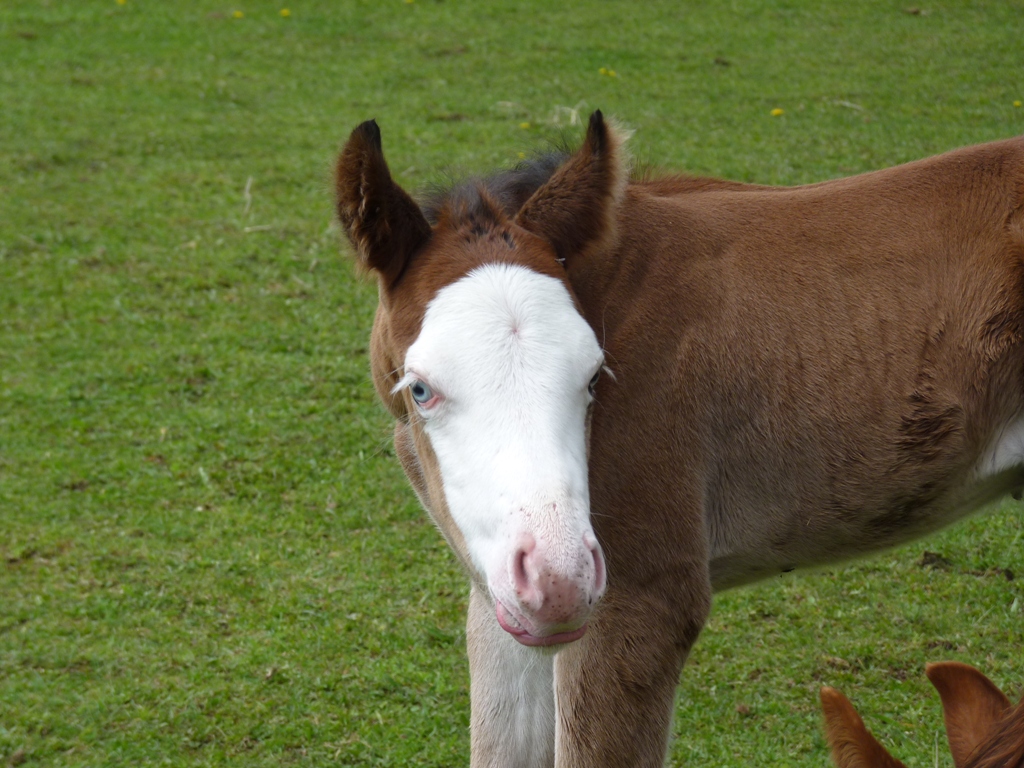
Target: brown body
column 826, row 364
column 801, row 375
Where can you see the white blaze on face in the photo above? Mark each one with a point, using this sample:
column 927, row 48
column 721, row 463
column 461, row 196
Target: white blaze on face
column 505, row 360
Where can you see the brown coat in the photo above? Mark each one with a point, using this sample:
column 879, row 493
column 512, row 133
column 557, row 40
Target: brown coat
column 801, row 375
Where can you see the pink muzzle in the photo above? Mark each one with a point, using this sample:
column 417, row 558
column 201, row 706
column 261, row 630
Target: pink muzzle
column 555, row 591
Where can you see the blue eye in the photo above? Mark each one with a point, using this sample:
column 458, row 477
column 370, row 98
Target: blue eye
column 421, row 393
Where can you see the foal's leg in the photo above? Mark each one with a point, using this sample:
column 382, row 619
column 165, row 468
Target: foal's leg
column 616, row 685
column 512, row 723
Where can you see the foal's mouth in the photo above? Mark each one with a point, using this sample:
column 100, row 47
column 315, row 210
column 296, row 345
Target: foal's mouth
column 515, row 628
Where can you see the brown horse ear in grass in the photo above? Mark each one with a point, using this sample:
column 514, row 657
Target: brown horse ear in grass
column 852, row 744
column 1004, row 747
column 384, row 224
column 575, row 210
column 972, row 706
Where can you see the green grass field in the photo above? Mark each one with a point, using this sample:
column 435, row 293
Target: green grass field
column 208, row 554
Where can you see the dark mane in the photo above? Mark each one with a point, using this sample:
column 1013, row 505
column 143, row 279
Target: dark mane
column 475, row 198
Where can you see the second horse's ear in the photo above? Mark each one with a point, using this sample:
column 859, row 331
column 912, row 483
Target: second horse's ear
column 972, row 706
column 384, row 224
column 575, row 210
column 852, row 744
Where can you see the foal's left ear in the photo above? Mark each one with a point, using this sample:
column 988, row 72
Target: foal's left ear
column 384, row 224
column 575, row 210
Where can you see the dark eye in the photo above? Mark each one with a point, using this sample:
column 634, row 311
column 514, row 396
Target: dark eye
column 593, row 382
column 421, row 393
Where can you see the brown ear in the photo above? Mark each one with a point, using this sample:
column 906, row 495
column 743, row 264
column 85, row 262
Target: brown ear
column 972, row 706
column 575, row 209
column 383, row 223
column 852, row 744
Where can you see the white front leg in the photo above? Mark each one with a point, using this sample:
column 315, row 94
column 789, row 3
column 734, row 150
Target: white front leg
column 512, row 723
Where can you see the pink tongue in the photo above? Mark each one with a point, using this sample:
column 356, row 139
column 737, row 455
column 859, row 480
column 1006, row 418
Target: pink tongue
column 509, row 623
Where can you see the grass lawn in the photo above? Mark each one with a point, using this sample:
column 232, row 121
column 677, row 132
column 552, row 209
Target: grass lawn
column 208, row 554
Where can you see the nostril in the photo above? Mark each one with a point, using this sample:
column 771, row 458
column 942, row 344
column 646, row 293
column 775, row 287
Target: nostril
column 599, row 571
column 519, row 577
column 520, row 565
column 590, row 541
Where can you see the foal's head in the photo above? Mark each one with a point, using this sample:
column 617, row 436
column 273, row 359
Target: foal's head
column 481, row 354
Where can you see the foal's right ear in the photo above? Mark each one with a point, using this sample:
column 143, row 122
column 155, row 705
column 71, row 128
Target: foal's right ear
column 851, row 742
column 972, row 706
column 384, row 224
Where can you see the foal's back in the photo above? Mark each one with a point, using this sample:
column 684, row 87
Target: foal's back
column 839, row 366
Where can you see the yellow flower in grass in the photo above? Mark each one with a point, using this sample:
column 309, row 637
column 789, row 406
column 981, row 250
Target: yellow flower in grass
column 524, row 126
column 1017, row 103
column 776, row 112
column 121, row 2
column 238, row 14
column 608, row 72
column 285, row 13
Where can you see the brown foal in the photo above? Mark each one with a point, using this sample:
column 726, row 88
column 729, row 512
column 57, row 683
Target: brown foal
column 793, row 376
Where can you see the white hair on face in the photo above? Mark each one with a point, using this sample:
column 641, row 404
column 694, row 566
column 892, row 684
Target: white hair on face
column 510, row 358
